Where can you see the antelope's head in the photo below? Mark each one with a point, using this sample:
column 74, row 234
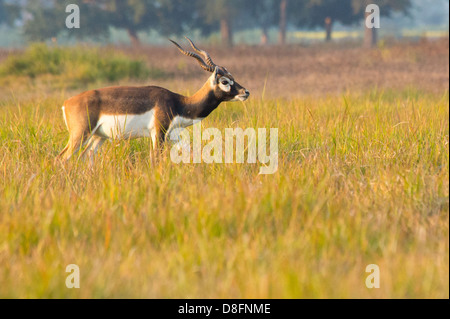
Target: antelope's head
column 222, row 83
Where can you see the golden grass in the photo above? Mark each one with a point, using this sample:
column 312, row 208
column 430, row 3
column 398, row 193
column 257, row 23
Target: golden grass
column 363, row 179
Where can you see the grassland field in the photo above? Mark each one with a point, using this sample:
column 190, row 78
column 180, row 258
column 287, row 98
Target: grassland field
column 363, row 179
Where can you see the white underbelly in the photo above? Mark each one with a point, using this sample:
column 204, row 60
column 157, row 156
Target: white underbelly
column 180, row 122
column 135, row 126
column 126, row 126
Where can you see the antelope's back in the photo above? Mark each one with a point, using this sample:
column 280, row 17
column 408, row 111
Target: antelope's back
column 119, row 100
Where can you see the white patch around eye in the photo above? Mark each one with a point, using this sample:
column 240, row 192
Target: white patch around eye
column 227, row 87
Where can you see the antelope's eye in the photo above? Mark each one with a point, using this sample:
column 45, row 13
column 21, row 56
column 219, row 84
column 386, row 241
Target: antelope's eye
column 225, row 82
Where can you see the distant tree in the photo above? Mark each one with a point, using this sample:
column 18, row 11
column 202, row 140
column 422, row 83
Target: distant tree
column 46, row 19
column 8, row 12
column 219, row 13
column 130, row 15
column 165, row 16
column 3, row 14
column 283, row 5
column 387, row 7
column 175, row 16
column 264, row 15
column 323, row 13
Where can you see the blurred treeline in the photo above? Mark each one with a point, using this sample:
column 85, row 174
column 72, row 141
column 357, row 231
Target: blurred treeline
column 40, row 20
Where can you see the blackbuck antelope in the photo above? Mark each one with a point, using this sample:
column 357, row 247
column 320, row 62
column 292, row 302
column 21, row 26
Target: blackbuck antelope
column 133, row 112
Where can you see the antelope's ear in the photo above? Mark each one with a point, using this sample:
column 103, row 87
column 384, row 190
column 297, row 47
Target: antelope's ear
column 214, row 76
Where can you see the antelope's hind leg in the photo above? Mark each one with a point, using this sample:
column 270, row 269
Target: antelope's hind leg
column 94, row 143
column 79, row 134
column 79, row 139
column 73, row 146
column 61, row 154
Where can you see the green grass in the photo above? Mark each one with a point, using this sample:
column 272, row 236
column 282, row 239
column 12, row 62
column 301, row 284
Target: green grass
column 74, row 66
column 363, row 179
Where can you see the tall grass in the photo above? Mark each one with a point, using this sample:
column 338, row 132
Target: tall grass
column 75, row 66
column 363, row 179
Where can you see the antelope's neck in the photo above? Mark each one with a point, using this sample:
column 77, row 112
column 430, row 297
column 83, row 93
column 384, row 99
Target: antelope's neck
column 201, row 104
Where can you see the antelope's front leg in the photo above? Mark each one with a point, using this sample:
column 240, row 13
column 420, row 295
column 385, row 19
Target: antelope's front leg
column 158, row 140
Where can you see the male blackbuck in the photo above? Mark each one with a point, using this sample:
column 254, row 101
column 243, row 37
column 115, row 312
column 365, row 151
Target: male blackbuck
column 150, row 111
